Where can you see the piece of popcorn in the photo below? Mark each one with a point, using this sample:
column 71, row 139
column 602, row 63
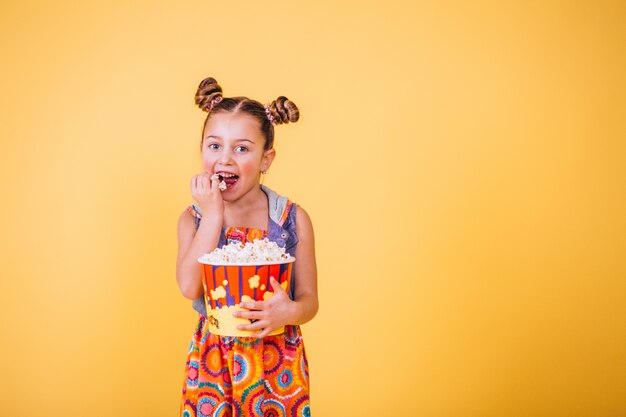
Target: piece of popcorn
column 222, row 185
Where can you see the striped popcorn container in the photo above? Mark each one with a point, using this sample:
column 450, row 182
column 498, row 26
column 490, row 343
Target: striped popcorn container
column 227, row 285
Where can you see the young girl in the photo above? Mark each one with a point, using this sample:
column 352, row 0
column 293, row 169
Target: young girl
column 259, row 375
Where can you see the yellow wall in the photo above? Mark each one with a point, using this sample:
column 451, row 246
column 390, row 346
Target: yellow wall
column 463, row 163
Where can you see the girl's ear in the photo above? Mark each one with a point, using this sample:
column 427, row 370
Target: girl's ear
column 268, row 157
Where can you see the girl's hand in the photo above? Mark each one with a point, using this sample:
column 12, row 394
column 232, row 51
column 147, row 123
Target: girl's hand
column 270, row 314
column 207, row 193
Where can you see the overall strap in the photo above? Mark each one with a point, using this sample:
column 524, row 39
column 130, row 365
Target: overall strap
column 278, row 205
column 194, row 210
column 283, row 227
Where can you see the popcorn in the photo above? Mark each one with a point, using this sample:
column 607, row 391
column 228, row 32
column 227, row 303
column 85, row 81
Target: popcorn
column 256, row 252
column 222, row 185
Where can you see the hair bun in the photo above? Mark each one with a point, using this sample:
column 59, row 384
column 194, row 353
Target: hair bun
column 208, row 91
column 283, row 110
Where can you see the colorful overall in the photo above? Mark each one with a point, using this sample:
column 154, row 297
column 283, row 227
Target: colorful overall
column 245, row 376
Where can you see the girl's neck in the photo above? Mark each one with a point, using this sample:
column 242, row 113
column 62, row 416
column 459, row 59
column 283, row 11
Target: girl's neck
column 251, row 210
column 253, row 200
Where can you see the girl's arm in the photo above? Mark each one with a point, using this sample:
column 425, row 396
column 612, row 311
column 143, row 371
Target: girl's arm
column 305, row 297
column 191, row 243
column 280, row 310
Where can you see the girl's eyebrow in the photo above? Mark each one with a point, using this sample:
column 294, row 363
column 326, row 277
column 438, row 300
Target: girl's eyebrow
column 236, row 140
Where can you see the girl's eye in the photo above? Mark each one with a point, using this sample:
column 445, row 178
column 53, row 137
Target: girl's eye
column 213, row 146
column 241, row 149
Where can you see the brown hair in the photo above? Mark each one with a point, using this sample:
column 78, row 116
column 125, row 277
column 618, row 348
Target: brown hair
column 282, row 110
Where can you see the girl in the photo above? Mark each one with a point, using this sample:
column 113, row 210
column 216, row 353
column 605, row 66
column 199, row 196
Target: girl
column 258, row 375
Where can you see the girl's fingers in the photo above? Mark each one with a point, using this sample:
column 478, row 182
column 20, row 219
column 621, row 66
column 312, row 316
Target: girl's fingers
column 205, row 182
column 262, row 333
column 252, row 305
column 196, row 186
column 257, row 325
column 253, row 315
column 214, row 183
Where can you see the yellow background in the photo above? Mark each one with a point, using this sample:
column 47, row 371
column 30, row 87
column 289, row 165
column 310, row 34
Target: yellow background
column 463, row 164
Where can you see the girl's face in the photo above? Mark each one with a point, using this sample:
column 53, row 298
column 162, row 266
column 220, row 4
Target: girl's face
column 233, row 148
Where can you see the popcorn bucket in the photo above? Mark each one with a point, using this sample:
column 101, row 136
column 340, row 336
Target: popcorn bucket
column 227, row 285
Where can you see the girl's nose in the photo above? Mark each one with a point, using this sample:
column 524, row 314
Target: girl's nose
column 225, row 157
